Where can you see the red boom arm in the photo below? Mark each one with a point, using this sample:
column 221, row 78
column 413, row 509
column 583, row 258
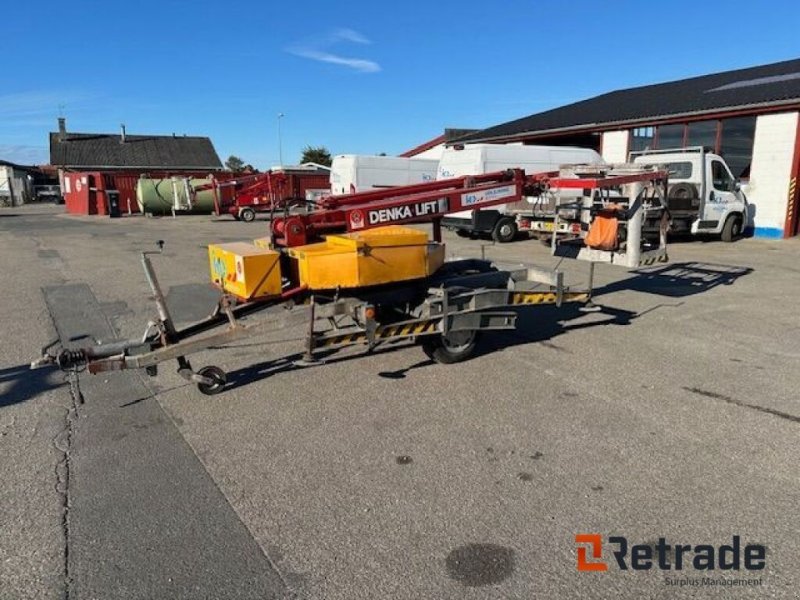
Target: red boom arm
column 421, row 203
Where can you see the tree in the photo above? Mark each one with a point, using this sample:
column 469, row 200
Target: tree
column 316, row 154
column 234, row 163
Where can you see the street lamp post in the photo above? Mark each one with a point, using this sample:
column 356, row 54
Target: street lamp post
column 280, row 146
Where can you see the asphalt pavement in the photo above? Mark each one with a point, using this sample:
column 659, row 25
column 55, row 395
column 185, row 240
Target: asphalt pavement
column 671, row 413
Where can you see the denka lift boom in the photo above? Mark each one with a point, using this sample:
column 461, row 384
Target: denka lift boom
column 362, row 277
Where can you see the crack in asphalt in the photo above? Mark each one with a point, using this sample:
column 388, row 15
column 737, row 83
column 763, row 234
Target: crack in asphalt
column 63, row 443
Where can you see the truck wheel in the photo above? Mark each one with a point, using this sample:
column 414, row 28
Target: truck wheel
column 732, row 228
column 505, row 230
column 247, row 215
column 457, row 346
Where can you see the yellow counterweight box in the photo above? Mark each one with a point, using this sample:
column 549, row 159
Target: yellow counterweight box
column 372, row 257
column 244, row 270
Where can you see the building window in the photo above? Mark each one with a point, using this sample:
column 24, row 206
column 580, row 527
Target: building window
column 736, row 144
column 703, row 133
column 730, row 138
column 642, row 138
column 670, row 136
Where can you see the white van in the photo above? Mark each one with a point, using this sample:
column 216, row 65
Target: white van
column 476, row 159
column 357, row 173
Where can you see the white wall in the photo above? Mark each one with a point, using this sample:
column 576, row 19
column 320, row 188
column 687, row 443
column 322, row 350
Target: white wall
column 770, row 171
column 13, row 183
column 615, row 146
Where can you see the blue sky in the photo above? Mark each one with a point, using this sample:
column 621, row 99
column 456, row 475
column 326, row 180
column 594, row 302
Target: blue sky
column 356, row 77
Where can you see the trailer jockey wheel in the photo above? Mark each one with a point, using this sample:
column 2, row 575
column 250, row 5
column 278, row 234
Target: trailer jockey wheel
column 217, row 375
column 247, row 215
column 455, row 347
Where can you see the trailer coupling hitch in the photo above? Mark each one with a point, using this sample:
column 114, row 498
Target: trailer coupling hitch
column 73, row 358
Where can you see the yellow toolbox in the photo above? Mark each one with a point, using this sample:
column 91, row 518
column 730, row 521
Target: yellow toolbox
column 372, row 257
column 244, row 270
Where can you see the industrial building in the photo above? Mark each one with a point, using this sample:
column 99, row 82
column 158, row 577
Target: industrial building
column 749, row 116
column 92, row 166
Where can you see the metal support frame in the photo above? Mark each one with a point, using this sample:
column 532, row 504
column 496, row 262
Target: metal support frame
column 645, row 189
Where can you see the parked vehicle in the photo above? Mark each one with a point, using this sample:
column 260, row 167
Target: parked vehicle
column 501, row 222
column 352, row 173
column 265, row 192
column 48, row 193
column 704, row 197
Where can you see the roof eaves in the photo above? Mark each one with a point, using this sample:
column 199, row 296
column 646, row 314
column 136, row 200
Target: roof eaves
column 628, row 122
column 440, row 139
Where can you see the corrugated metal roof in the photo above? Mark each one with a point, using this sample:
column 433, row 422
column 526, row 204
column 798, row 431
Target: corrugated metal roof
column 107, row 151
column 766, row 85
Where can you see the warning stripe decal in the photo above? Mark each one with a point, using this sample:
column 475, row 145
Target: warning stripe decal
column 533, row 298
column 790, row 206
column 381, row 333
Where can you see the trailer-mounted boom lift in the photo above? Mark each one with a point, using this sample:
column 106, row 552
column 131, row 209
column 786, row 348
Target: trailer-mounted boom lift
column 360, row 277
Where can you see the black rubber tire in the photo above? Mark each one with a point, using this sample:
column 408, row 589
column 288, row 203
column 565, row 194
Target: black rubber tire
column 219, row 377
column 236, row 217
column 460, row 347
column 464, row 233
column 732, row 228
column 505, row 230
column 247, row 215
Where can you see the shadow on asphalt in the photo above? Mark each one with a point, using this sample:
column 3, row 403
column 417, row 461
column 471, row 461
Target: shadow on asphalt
column 541, row 324
column 20, row 383
column 247, row 375
column 677, row 280
column 535, row 324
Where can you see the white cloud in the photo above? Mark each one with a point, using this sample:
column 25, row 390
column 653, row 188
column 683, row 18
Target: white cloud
column 350, row 35
column 359, row 64
column 319, row 51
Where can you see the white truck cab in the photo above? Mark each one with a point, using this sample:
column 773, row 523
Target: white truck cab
column 703, row 196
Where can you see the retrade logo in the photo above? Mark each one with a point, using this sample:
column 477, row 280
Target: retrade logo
column 664, row 556
column 595, row 542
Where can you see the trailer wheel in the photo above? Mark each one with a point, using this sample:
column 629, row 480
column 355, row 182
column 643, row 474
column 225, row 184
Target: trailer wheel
column 732, row 228
column 247, row 215
column 217, row 375
column 456, row 347
column 505, row 230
